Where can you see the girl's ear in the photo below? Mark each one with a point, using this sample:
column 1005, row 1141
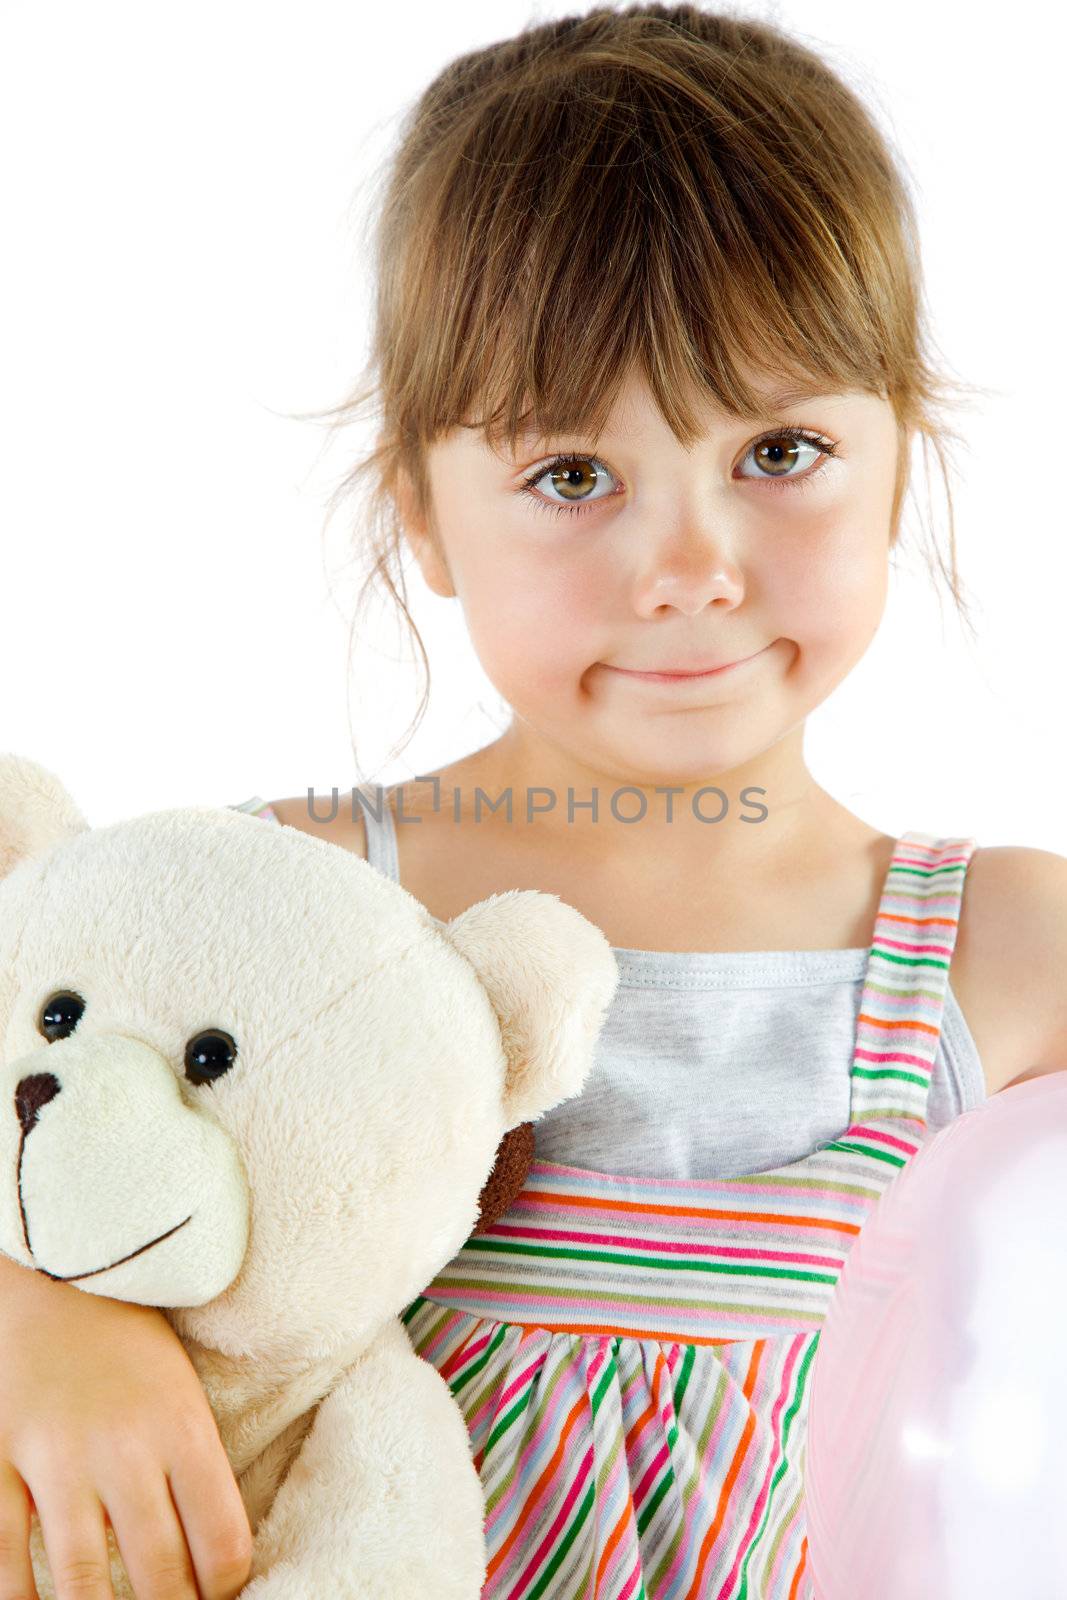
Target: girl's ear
column 423, row 542
column 432, row 565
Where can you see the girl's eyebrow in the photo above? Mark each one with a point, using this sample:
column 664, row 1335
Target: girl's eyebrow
column 770, row 404
column 790, row 397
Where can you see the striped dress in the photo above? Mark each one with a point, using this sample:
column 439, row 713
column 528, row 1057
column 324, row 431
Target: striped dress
column 633, row 1356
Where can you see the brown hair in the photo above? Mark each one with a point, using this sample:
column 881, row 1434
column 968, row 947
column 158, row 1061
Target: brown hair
column 660, row 185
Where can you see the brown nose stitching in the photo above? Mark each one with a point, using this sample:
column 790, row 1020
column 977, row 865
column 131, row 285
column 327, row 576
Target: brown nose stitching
column 32, row 1093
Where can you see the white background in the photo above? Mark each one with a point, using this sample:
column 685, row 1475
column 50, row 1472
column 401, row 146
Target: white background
column 182, row 191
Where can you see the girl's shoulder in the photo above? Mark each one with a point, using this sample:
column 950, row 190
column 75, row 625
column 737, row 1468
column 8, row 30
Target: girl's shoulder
column 1009, row 962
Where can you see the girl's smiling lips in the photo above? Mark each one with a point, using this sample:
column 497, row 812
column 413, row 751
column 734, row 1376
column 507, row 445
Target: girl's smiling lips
column 676, row 674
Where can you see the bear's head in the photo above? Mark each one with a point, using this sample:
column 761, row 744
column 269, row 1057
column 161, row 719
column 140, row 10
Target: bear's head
column 246, row 1077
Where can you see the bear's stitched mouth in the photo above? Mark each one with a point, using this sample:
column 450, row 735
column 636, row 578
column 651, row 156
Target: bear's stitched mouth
column 75, row 1277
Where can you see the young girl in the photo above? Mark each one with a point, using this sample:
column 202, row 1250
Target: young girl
column 650, row 363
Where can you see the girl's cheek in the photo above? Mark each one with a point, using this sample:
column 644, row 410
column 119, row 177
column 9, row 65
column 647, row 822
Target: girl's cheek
column 545, row 599
column 837, row 558
column 831, row 596
column 525, row 619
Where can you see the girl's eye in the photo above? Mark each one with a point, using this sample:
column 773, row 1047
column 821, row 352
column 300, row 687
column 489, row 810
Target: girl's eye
column 778, row 452
column 574, row 477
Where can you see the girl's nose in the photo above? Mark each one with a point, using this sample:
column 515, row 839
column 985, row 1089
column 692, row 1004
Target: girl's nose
column 689, row 572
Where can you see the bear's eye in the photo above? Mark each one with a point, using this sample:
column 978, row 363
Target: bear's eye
column 208, row 1055
column 60, row 1015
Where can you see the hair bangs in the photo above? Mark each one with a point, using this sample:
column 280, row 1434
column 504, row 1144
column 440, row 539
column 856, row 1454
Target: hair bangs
column 630, row 236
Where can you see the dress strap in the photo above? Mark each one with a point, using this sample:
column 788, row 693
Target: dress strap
column 256, row 806
column 901, row 1009
column 376, row 804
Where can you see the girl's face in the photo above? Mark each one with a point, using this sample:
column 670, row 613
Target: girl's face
column 635, row 555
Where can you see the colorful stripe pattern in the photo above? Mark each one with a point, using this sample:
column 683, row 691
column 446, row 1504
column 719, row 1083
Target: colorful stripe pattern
column 632, row 1356
column 257, row 807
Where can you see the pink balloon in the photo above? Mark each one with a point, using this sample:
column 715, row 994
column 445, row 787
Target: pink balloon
column 937, row 1416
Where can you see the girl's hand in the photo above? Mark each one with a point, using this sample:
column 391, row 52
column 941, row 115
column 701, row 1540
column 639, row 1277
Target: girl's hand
column 101, row 1410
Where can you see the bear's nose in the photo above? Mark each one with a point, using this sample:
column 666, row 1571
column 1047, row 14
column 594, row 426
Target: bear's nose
column 33, row 1092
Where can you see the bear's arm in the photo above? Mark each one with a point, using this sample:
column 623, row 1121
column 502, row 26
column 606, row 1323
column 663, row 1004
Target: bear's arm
column 383, row 1497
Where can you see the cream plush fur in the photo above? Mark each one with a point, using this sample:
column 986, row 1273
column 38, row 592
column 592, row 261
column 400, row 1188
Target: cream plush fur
column 284, row 1212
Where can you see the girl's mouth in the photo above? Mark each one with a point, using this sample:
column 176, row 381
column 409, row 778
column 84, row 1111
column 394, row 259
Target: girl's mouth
column 687, row 677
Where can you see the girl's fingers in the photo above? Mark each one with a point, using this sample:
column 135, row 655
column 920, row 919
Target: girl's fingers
column 16, row 1569
column 75, row 1542
column 212, row 1514
column 150, row 1538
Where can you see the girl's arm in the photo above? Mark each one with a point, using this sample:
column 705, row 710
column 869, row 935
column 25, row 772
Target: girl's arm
column 101, row 1411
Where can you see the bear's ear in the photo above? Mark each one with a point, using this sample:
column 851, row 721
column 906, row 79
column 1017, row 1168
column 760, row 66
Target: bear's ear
column 550, row 975
column 514, row 1154
column 36, row 812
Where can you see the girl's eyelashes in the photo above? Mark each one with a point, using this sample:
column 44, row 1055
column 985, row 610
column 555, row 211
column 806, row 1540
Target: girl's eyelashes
column 571, row 466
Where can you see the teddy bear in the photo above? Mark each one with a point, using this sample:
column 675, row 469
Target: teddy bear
column 248, row 1079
